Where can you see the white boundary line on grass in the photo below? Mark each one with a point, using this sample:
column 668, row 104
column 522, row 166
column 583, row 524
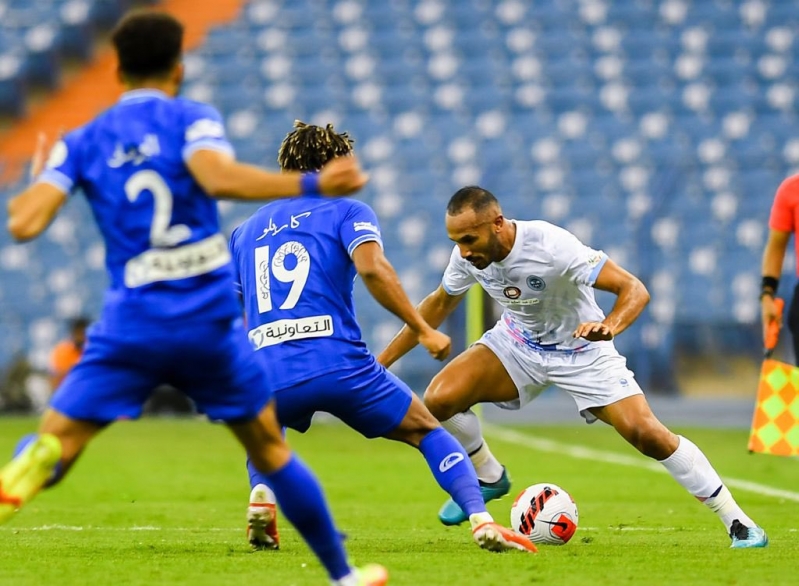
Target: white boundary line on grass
column 135, row 528
column 583, row 453
column 77, row 528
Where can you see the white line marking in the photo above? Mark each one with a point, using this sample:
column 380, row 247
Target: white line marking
column 628, row 528
column 134, row 528
column 10, row 529
column 624, row 528
column 583, row 453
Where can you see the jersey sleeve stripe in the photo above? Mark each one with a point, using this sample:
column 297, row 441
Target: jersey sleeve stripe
column 361, row 239
column 450, row 292
column 595, row 273
column 56, row 179
column 220, row 146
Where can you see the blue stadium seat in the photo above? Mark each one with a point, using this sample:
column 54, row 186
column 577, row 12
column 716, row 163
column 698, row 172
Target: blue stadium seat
column 424, row 75
column 12, row 95
column 781, row 14
column 643, row 73
column 715, row 16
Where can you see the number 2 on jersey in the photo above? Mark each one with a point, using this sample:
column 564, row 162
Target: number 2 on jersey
column 161, row 233
column 265, row 267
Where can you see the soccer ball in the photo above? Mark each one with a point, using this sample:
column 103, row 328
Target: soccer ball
column 545, row 513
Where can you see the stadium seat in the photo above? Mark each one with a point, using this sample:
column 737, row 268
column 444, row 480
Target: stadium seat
column 671, row 128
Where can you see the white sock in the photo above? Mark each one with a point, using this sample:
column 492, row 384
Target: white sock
column 486, row 465
column 691, row 468
column 466, row 429
column 480, row 519
column 269, row 495
column 727, row 509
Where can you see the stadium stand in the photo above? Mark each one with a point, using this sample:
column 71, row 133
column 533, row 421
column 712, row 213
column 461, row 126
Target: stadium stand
column 656, row 130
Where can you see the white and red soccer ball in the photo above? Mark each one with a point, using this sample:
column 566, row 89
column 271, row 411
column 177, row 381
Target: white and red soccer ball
column 545, row 513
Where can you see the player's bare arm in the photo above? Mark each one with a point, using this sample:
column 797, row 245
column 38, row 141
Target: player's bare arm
column 434, row 309
column 631, row 298
column 381, row 279
column 30, row 212
column 773, row 256
column 222, row 177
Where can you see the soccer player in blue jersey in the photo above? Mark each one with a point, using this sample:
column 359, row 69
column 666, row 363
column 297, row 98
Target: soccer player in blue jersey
column 151, row 167
column 296, row 262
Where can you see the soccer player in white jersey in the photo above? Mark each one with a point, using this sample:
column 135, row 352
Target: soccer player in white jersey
column 552, row 332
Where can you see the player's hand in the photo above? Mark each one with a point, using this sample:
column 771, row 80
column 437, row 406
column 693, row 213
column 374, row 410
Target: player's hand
column 593, row 331
column 342, row 176
column 770, row 314
column 436, row 343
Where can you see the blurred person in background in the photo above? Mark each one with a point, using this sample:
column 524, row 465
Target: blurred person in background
column 782, row 224
column 67, row 353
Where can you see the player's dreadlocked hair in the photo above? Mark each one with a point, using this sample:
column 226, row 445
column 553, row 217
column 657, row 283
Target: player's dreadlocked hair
column 309, row 147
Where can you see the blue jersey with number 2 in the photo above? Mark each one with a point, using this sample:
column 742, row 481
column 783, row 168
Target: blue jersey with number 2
column 295, row 271
column 170, row 315
column 164, row 252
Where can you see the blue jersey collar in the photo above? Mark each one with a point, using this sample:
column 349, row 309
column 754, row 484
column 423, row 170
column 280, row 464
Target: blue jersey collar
column 143, row 94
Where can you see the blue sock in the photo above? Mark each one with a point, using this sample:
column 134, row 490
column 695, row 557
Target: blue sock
column 302, row 502
column 256, row 476
column 20, row 447
column 453, row 470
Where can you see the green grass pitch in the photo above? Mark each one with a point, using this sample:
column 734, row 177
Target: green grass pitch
column 162, row 502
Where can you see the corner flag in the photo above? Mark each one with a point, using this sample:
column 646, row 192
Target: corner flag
column 775, row 423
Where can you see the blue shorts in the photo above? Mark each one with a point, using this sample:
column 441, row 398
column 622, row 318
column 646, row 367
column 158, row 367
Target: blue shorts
column 212, row 363
column 366, row 397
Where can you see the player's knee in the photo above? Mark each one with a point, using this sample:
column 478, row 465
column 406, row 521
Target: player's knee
column 416, row 424
column 412, row 437
column 439, row 402
column 419, row 418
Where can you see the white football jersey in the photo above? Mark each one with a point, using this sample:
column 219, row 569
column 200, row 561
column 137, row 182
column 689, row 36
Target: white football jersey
column 545, row 284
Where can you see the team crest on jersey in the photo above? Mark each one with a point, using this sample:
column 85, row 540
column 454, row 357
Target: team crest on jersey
column 512, row 292
column 536, row 283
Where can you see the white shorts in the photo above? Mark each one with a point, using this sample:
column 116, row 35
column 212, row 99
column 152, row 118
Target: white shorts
column 594, row 377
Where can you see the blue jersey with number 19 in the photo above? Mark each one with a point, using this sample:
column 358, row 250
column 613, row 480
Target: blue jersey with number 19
column 296, row 278
column 164, row 252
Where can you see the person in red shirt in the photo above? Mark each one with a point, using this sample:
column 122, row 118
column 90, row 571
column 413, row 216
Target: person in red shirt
column 67, row 353
column 783, row 222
